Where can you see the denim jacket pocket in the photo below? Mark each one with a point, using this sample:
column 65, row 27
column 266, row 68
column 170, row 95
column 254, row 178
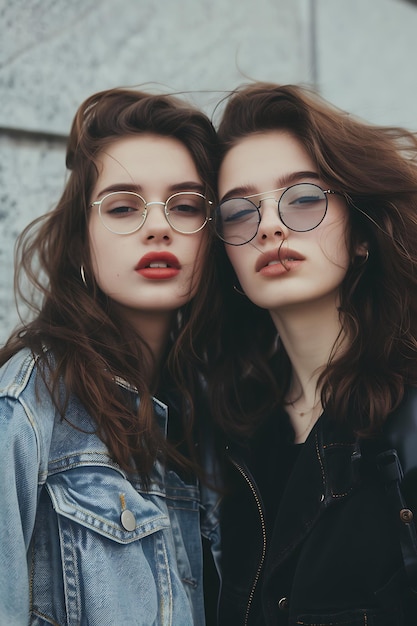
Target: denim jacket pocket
column 102, row 500
column 103, row 554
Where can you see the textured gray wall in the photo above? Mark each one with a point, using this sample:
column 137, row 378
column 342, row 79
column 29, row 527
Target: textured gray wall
column 360, row 54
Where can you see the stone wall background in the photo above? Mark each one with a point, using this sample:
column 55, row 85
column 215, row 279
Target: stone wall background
column 359, row 54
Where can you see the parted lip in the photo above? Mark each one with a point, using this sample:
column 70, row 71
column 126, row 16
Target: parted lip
column 277, row 255
column 165, row 258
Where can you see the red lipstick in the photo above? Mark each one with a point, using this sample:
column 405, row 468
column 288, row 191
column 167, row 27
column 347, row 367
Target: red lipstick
column 158, row 266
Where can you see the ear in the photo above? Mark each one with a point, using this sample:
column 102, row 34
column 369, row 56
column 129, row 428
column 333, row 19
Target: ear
column 362, row 250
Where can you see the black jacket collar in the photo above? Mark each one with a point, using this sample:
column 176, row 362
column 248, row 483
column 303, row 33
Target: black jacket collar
column 326, row 471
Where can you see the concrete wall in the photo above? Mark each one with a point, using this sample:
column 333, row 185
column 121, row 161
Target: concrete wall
column 360, row 54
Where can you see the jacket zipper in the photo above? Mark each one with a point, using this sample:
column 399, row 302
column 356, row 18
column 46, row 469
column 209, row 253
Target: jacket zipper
column 263, row 527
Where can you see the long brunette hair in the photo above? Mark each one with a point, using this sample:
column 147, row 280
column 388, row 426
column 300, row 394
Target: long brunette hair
column 91, row 346
column 375, row 168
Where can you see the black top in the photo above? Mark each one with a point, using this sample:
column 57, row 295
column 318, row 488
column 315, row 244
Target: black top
column 270, row 459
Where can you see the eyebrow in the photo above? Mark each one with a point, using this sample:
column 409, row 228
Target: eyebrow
column 283, row 181
column 189, row 185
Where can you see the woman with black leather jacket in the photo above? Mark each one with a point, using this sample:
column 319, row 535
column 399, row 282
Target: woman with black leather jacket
column 317, row 363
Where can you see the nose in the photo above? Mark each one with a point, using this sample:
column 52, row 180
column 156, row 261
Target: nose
column 156, row 225
column 271, row 225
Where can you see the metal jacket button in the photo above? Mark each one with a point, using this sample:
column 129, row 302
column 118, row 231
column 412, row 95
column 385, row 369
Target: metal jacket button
column 406, row 516
column 283, row 604
column 128, row 520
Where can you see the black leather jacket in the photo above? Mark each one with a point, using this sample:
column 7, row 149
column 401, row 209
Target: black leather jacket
column 336, row 553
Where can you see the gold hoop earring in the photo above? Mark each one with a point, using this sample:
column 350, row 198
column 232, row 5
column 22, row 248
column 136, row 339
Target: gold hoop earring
column 82, row 273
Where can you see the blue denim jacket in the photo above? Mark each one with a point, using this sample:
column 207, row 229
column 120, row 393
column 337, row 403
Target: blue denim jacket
column 81, row 542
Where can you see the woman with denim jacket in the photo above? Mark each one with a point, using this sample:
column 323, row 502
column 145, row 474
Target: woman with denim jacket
column 318, row 357
column 101, row 503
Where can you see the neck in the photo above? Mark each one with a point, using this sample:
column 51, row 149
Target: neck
column 310, row 336
column 154, row 328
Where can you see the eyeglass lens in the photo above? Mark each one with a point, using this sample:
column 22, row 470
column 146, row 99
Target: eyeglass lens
column 125, row 212
column 301, row 208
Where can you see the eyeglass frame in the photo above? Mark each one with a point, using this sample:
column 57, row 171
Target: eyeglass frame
column 257, row 207
column 145, row 211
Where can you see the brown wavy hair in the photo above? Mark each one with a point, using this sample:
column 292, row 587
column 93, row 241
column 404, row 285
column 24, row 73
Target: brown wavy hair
column 375, row 168
column 90, row 344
